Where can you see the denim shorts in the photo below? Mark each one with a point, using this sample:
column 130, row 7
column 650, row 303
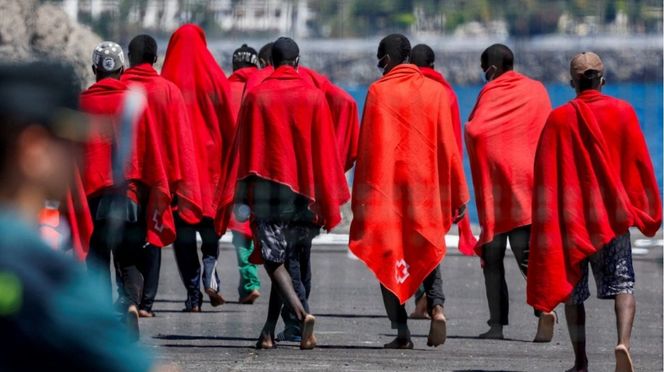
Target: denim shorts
column 612, row 269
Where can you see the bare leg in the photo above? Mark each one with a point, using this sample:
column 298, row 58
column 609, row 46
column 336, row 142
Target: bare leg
column 576, row 325
column 281, row 280
column 625, row 308
column 266, row 339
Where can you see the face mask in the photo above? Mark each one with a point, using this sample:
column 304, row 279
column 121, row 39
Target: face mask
column 485, row 78
column 380, row 65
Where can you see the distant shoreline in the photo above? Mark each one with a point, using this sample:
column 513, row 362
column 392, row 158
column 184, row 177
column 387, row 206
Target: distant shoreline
column 634, row 58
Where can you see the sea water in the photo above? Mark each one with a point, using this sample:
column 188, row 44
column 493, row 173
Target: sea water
column 645, row 97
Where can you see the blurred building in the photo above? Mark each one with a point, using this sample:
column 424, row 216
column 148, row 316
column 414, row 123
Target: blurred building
column 283, row 16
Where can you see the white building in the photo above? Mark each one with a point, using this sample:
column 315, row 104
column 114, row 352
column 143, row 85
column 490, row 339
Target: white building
column 282, row 16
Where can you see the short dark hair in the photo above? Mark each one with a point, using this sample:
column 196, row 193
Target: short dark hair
column 285, row 51
column 396, row 46
column 499, row 55
column 422, row 56
column 265, row 54
column 142, row 49
column 590, row 79
column 245, row 56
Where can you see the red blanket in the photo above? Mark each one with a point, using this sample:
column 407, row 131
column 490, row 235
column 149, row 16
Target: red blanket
column 238, row 81
column 466, row 239
column 104, row 101
column 409, row 180
column 75, row 208
column 257, row 78
column 501, row 139
column 285, row 135
column 593, row 180
column 175, row 138
column 190, row 65
column 344, row 115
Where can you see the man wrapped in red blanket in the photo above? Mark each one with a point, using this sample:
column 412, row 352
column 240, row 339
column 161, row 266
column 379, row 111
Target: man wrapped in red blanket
column 409, row 187
column 501, row 137
column 593, row 181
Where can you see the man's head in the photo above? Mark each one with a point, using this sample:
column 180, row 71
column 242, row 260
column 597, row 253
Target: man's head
column 497, row 60
column 244, row 57
column 422, row 56
column 38, row 120
column 587, row 72
column 265, row 55
column 107, row 60
column 142, row 49
column 285, row 52
column 393, row 50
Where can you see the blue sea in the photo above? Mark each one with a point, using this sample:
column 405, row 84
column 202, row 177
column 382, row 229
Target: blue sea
column 645, row 97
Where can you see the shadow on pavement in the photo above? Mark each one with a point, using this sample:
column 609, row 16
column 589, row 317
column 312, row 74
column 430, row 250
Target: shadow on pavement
column 349, row 316
column 483, row 370
column 213, row 338
column 209, row 346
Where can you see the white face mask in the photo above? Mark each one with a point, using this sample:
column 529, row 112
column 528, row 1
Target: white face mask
column 386, row 57
column 485, row 78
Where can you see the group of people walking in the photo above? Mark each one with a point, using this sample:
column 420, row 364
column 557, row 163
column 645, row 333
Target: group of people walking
column 264, row 153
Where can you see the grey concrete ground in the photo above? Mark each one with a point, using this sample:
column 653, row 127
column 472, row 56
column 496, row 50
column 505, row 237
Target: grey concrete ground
column 352, row 326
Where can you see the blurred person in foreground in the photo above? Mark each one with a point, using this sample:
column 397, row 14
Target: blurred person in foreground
column 130, row 210
column 175, row 142
column 423, row 57
column 245, row 65
column 48, row 306
column 501, row 138
column 288, row 180
column 408, row 189
column 190, row 65
column 594, row 179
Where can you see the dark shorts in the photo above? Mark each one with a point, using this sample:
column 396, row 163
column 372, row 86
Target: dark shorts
column 277, row 238
column 612, row 269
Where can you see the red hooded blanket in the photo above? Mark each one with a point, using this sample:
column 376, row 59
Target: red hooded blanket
column 285, row 135
column 409, row 180
column 501, row 138
column 344, row 116
column 175, row 139
column 593, row 180
column 190, row 65
column 104, row 99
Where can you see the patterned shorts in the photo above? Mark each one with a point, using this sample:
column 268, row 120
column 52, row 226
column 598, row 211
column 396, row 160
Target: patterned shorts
column 277, row 239
column 612, row 270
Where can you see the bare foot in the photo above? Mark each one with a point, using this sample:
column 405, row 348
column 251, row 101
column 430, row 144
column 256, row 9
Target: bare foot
column 250, row 298
column 132, row 323
column 623, row 359
column 545, row 326
column 308, row 339
column 265, row 341
column 399, row 343
column 420, row 311
column 438, row 328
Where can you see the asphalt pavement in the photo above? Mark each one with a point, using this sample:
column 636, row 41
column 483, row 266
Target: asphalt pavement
column 351, row 324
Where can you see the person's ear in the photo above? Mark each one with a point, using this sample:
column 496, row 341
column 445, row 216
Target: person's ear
column 602, row 81
column 94, row 70
column 154, row 60
column 297, row 61
column 572, row 84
